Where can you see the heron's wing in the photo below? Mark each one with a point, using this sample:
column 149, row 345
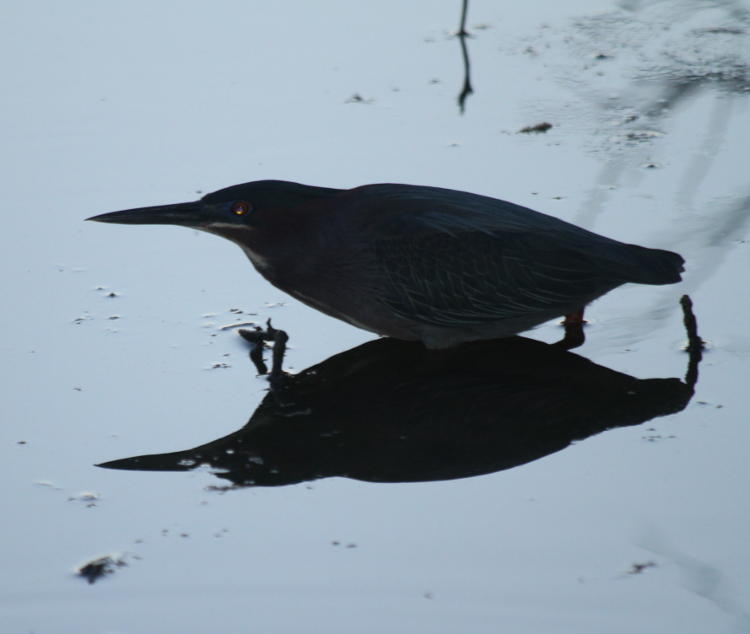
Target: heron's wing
column 465, row 277
column 419, row 209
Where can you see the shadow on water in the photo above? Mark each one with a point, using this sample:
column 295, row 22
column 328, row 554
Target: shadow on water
column 392, row 411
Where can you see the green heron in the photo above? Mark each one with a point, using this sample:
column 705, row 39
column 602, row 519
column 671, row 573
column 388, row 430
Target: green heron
column 416, row 263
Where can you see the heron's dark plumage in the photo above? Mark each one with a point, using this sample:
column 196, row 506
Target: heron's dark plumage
column 424, row 263
column 462, row 263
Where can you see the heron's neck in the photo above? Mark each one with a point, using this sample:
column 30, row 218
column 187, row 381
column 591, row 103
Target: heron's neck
column 260, row 261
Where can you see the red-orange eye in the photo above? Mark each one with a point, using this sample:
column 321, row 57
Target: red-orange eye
column 240, row 208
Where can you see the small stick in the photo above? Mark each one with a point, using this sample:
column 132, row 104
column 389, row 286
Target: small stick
column 696, row 345
column 691, row 325
column 462, row 35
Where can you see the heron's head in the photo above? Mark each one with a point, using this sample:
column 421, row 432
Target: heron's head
column 233, row 212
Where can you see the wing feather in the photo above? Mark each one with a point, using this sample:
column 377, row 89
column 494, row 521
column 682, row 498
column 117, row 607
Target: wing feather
column 468, row 277
column 451, row 258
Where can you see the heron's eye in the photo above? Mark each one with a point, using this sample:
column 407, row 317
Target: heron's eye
column 240, row 208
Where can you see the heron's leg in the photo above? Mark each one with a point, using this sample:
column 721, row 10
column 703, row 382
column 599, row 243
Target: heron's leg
column 574, row 336
column 279, row 349
column 257, row 338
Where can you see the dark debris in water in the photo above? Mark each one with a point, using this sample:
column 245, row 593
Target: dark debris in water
column 638, row 568
column 109, row 294
column 721, row 29
column 536, row 129
column 336, row 542
column 357, row 98
column 656, row 437
column 221, row 488
column 101, row 567
column 643, row 135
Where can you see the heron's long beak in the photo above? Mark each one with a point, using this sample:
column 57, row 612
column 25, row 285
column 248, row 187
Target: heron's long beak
column 192, row 214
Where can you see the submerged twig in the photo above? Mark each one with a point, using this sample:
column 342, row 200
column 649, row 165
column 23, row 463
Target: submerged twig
column 100, row 567
column 695, row 345
column 462, row 34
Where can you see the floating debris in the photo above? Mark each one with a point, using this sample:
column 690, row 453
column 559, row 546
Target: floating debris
column 357, row 98
column 638, row 568
column 536, row 129
column 47, row 483
column 643, row 135
column 100, row 567
column 239, row 324
column 223, row 488
column 727, row 30
column 657, row 437
column 90, row 498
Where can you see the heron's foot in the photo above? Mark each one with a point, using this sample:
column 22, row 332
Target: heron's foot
column 258, row 338
column 574, row 335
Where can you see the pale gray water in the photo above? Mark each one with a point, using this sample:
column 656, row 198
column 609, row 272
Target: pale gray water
column 113, row 106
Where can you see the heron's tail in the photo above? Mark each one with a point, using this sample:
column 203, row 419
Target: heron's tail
column 657, row 266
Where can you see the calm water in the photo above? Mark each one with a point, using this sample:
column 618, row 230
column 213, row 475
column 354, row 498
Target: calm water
column 541, row 497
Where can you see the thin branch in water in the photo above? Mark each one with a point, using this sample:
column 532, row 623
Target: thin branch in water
column 695, row 345
column 462, row 34
column 464, row 12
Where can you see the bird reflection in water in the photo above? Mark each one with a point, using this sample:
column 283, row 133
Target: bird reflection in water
column 393, row 411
